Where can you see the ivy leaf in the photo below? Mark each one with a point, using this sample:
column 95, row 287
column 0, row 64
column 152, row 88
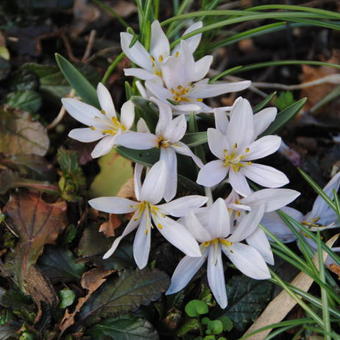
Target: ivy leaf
column 131, row 290
column 59, row 265
column 124, row 327
column 247, row 298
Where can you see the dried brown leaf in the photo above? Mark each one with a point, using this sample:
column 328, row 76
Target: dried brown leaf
column 108, row 228
column 335, row 268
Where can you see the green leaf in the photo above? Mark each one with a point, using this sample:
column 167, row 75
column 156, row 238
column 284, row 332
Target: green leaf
column 215, row 327
column 25, row 100
column 284, row 116
column 284, row 100
column 247, row 298
column 227, row 323
column 188, row 326
column 196, row 308
column 195, row 138
column 264, row 102
column 131, row 290
column 124, row 327
column 147, row 110
column 60, row 265
column 115, row 171
column 67, row 297
column 82, row 86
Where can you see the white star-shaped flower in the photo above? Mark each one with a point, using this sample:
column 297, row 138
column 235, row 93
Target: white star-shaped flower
column 102, row 125
column 149, row 214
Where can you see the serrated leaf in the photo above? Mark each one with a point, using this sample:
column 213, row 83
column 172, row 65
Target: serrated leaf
column 131, row 290
column 59, row 265
column 195, row 138
column 24, row 100
column 77, row 81
column 115, row 171
column 284, row 116
column 123, row 328
column 247, row 298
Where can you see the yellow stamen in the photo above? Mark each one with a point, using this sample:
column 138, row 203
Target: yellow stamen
column 162, row 142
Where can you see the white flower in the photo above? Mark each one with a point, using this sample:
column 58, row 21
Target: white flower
column 184, row 85
column 148, row 214
column 103, row 124
column 237, row 149
column 167, row 138
column 321, row 217
column 211, row 227
column 151, row 62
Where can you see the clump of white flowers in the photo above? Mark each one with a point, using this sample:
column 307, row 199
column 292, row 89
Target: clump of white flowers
column 176, row 83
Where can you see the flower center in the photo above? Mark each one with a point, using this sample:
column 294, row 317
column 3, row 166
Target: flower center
column 180, row 93
column 149, row 209
column 234, row 160
column 115, row 127
column 216, row 241
column 155, row 69
column 162, row 142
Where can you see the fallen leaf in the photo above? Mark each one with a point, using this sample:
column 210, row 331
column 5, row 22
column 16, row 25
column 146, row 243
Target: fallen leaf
column 20, row 135
column 91, row 281
column 108, row 228
column 335, row 268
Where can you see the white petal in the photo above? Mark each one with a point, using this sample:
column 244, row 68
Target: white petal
column 216, row 278
column 183, row 149
column 104, row 146
column 240, row 131
column 213, row 90
column 202, row 67
column 193, row 224
column 113, row 205
column 85, row 135
column 141, row 90
column 184, row 272
column 131, row 226
column 137, row 180
column 248, row 260
column 165, row 116
column 176, row 129
column 248, row 224
column 177, row 235
column 239, row 183
column 157, row 90
column 272, row 199
column 259, row 241
column 137, row 140
column 263, row 119
column 139, row 73
column 263, row 147
column 181, row 206
column 219, row 220
column 187, row 108
column 105, row 100
column 193, row 41
column 142, row 126
column 153, row 187
column 264, row 175
column 217, row 142
column 221, row 120
column 137, row 53
column 212, row 173
column 170, row 159
column 142, row 243
column 127, row 114
column 159, row 41
column 80, row 111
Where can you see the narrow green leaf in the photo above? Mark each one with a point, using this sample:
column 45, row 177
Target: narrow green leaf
column 195, row 138
column 264, row 102
column 82, row 86
column 284, row 116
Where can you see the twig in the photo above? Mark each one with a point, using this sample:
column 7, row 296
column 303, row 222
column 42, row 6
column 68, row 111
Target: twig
column 89, row 46
column 68, row 47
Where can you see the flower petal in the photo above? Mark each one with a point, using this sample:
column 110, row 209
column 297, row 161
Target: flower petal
column 82, row 112
column 259, row 241
column 177, row 235
column 142, row 126
column 193, row 41
column 181, row 206
column 137, row 53
column 202, row 67
column 264, row 175
column 203, row 90
column 127, row 114
column 154, row 184
column 137, row 180
column 212, row 173
column 165, row 116
column 239, row 183
column 85, row 135
column 139, row 73
column 183, row 149
column 142, row 243
column 193, row 224
column 137, row 140
column 131, row 226
column 113, row 205
column 184, row 272
column 248, row 260
column 104, row 146
column 263, row 119
column 272, row 199
column 219, row 220
column 176, row 129
column 263, row 147
column 160, row 47
column 221, row 120
column 170, row 158
column 216, row 278
column 217, row 142
column 105, row 100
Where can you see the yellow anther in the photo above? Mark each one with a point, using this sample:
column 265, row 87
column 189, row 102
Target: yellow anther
column 206, row 244
column 160, row 58
column 159, row 226
column 247, row 150
column 162, row 142
column 92, row 128
column 225, row 242
column 177, row 54
column 199, row 99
